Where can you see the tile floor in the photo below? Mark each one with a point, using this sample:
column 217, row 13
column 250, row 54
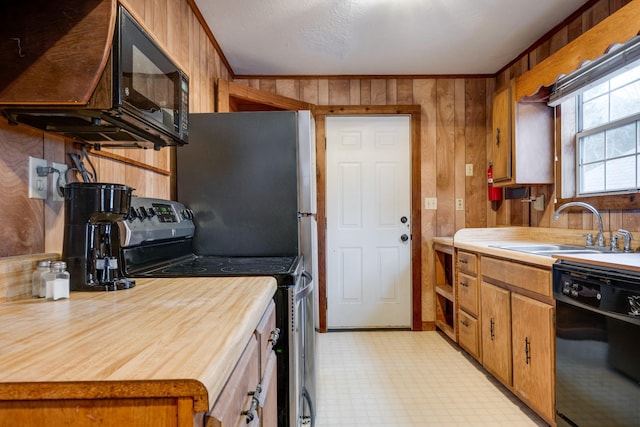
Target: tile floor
column 402, row 378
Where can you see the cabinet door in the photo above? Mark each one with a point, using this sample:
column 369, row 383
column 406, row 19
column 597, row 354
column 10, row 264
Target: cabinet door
column 501, row 133
column 468, row 293
column 468, row 334
column 235, row 405
column 496, row 331
column 268, row 408
column 533, row 350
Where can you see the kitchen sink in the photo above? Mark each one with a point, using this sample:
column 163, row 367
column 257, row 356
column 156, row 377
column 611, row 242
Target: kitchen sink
column 545, row 249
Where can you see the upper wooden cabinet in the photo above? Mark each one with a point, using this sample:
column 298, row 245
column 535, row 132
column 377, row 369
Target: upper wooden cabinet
column 54, row 52
column 522, row 140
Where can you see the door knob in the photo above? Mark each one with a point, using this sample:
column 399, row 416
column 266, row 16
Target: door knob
column 404, row 237
column 404, row 220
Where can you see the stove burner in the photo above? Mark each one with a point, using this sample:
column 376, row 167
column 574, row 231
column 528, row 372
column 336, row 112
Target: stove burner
column 183, row 269
column 254, row 268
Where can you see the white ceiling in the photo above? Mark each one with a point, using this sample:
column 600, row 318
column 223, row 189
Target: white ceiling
column 378, row 37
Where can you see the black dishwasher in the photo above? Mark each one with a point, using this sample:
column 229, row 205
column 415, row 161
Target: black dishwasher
column 597, row 345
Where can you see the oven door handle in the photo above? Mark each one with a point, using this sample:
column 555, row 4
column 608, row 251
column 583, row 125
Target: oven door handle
column 304, row 292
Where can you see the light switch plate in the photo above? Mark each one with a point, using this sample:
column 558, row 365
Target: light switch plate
column 468, row 169
column 37, row 184
column 459, row 204
column 430, row 203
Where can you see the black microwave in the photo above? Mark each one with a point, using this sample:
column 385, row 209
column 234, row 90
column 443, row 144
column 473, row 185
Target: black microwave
column 141, row 99
column 146, row 82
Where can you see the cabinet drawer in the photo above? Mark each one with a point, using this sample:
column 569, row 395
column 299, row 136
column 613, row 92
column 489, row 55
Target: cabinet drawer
column 468, row 293
column 236, row 396
column 468, row 334
column 467, row 262
column 267, row 335
column 522, row 276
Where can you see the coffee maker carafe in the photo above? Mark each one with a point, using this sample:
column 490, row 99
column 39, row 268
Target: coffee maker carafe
column 91, row 246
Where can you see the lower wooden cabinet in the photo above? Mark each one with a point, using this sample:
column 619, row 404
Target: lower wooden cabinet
column 533, row 353
column 518, row 345
column 468, row 334
column 496, row 331
column 250, row 396
column 237, row 404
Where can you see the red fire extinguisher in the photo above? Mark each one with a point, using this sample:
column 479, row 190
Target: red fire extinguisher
column 495, row 193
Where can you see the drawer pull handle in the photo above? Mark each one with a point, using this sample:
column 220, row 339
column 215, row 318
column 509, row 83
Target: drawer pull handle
column 464, row 284
column 527, row 350
column 252, row 413
column 492, row 329
column 463, row 261
column 465, row 323
column 274, row 337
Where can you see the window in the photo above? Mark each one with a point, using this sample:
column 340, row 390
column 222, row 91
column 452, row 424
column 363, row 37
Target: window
column 607, row 138
column 599, row 110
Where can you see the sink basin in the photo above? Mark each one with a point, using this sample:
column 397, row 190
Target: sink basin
column 545, row 249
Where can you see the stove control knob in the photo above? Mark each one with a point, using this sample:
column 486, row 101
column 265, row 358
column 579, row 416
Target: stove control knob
column 143, row 213
column 574, row 293
column 133, row 214
column 151, row 212
column 566, row 290
column 187, row 214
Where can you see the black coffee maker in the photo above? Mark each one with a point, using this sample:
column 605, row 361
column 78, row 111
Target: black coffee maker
column 91, row 246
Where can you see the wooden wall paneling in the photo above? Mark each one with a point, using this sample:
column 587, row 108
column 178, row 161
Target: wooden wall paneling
column 354, row 92
column 631, row 221
column 392, row 92
column 445, row 157
column 491, row 210
column 475, row 187
column 379, row 92
column 574, row 29
column 404, row 91
column 289, row 88
column 459, row 154
column 23, row 218
column 339, row 90
column 323, row 92
column 424, row 95
column 268, row 85
column 309, row 91
column 558, row 40
column 595, row 14
column 365, row 92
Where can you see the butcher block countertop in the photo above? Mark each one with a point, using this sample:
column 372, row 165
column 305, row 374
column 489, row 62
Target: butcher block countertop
column 162, row 338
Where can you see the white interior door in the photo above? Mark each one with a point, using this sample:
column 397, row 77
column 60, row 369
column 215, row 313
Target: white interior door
column 368, row 222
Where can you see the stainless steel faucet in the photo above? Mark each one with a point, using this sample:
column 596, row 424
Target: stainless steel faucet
column 600, row 236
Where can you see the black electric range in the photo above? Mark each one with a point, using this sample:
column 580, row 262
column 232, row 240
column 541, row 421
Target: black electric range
column 156, row 242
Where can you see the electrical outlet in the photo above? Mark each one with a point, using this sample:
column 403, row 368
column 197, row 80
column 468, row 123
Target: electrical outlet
column 55, row 180
column 430, row 203
column 459, row 204
column 468, row 169
column 37, row 184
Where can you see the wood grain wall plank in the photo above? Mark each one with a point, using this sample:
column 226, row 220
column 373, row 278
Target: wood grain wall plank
column 459, row 154
column 378, row 92
column 23, row 218
column 475, row 110
column 404, row 91
column 445, row 162
column 309, row 91
column 354, row 92
column 339, row 91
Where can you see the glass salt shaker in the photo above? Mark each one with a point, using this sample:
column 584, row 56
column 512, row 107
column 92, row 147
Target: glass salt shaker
column 57, row 281
column 37, row 283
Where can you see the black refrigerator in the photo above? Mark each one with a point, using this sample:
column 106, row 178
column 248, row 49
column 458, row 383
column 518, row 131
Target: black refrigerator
column 249, row 177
